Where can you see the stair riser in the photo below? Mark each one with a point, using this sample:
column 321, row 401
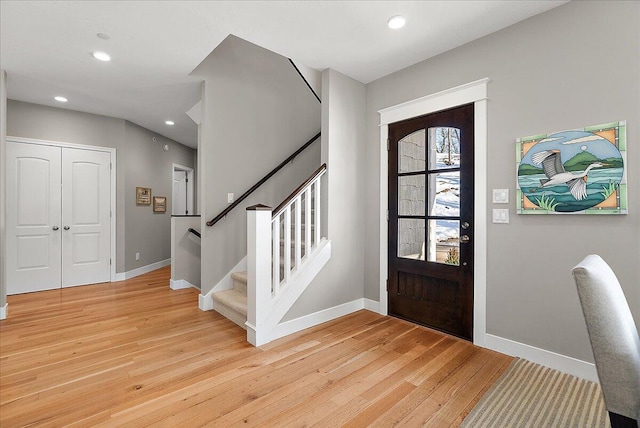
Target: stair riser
column 240, row 286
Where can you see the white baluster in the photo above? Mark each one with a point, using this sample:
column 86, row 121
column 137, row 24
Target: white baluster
column 275, row 263
column 287, row 243
column 307, row 221
column 317, row 212
column 298, row 226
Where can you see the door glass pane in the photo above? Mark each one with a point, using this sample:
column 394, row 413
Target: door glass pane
column 443, row 242
column 411, row 238
column 445, row 200
column 444, row 148
column 411, row 152
column 411, row 194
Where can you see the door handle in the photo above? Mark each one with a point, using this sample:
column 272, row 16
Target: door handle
column 464, row 239
column 55, row 228
column 67, row 228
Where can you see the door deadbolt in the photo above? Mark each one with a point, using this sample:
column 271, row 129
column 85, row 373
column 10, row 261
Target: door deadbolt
column 465, row 225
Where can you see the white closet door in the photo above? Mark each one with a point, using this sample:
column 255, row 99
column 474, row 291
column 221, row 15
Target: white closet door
column 33, row 218
column 86, row 237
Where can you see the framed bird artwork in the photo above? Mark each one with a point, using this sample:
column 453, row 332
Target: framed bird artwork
column 580, row 171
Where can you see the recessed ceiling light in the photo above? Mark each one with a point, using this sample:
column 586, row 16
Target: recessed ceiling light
column 102, row 56
column 60, row 99
column 396, row 22
column 169, row 122
column 103, row 36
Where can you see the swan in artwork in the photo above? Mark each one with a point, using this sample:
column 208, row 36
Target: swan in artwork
column 556, row 174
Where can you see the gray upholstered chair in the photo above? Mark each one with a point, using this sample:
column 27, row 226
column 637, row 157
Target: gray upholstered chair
column 614, row 339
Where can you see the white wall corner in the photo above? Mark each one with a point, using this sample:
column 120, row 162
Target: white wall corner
column 372, row 305
column 205, row 302
column 195, row 113
column 180, row 284
column 563, row 363
column 4, row 311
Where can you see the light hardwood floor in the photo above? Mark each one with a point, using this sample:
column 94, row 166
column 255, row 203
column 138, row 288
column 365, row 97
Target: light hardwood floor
column 134, row 353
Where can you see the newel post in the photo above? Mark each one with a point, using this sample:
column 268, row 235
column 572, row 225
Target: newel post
column 258, row 272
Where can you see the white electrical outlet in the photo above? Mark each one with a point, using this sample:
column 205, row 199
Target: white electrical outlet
column 137, row 256
column 229, row 198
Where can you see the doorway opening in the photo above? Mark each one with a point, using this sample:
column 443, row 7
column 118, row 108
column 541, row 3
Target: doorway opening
column 182, row 193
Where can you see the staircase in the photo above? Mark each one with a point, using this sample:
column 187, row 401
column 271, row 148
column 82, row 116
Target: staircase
column 232, row 304
column 285, row 251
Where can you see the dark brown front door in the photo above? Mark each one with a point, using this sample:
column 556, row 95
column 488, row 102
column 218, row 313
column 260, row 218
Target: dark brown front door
column 431, row 220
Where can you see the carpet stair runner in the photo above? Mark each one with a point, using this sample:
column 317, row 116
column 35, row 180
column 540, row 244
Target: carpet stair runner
column 233, row 303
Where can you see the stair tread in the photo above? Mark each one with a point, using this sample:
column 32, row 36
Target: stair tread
column 240, row 276
column 233, row 299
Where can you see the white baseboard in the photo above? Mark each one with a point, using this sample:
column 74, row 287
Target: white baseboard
column 179, row 284
column 205, row 302
column 372, row 305
column 4, row 311
column 563, row 363
column 293, row 326
column 142, row 270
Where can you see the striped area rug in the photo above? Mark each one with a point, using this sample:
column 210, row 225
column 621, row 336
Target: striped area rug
column 531, row 395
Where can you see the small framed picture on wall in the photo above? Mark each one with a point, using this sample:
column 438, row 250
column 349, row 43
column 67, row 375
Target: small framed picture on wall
column 159, row 204
column 143, row 196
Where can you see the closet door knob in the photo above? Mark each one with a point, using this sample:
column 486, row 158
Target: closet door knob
column 67, row 228
column 55, row 228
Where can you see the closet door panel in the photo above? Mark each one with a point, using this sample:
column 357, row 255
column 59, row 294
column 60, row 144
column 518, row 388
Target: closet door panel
column 86, row 197
column 33, row 222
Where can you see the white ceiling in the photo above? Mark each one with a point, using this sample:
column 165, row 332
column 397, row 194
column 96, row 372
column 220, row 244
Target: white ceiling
column 45, row 46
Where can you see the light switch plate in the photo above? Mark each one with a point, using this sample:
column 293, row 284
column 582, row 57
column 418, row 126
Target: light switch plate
column 500, row 196
column 501, row 215
column 229, row 198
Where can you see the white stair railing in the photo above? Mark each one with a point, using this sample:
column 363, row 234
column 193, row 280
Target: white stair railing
column 279, row 245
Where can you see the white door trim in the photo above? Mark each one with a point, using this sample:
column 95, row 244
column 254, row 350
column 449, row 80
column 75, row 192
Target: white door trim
column 190, row 172
column 112, row 153
column 473, row 92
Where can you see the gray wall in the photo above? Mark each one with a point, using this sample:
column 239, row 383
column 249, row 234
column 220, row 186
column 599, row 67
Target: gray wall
column 140, row 162
column 343, row 130
column 256, row 112
column 574, row 66
column 148, row 165
column 3, row 147
column 185, row 256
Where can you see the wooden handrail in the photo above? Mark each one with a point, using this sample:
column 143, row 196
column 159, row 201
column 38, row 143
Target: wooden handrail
column 261, row 182
column 293, row 194
column 195, row 232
